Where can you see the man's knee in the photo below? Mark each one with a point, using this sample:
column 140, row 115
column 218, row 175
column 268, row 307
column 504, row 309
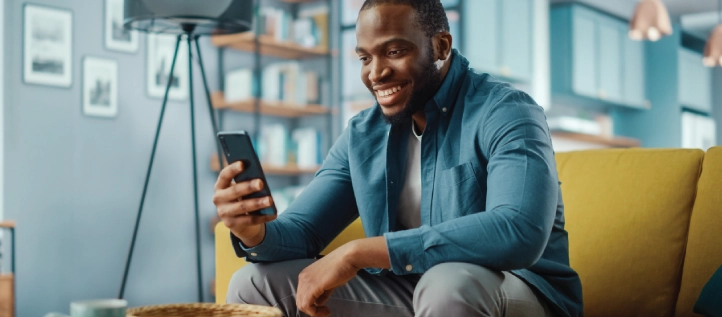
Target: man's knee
column 458, row 288
column 246, row 284
column 265, row 283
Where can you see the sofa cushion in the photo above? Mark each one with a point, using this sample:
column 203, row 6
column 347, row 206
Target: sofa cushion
column 627, row 213
column 704, row 243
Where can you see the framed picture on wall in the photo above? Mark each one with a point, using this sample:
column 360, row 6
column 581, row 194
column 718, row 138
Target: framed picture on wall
column 100, row 87
column 118, row 38
column 47, row 46
column 160, row 57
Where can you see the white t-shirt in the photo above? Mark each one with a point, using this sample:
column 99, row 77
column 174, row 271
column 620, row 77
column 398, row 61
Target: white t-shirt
column 409, row 214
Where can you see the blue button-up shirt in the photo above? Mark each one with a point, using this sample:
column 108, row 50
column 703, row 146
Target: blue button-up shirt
column 489, row 190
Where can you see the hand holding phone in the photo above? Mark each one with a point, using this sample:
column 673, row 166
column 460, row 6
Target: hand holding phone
column 246, row 205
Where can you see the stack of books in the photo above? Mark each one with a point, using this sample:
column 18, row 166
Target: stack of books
column 285, row 82
column 279, row 148
column 310, row 29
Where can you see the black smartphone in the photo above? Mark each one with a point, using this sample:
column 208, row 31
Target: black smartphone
column 237, row 146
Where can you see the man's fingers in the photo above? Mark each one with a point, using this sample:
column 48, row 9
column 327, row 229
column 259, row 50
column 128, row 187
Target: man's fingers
column 236, row 191
column 227, row 174
column 322, row 311
column 243, row 207
column 321, row 300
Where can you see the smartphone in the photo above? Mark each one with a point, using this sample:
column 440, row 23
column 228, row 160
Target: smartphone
column 237, row 146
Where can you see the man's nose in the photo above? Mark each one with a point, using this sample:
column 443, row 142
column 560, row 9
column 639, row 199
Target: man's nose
column 379, row 71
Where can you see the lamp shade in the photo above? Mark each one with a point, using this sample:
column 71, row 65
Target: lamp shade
column 189, row 16
column 650, row 21
column 713, row 49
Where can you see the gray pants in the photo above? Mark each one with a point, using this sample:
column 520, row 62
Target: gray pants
column 449, row 289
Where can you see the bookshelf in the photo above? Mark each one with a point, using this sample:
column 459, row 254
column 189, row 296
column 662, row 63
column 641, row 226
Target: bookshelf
column 269, row 46
column 271, row 108
column 280, row 68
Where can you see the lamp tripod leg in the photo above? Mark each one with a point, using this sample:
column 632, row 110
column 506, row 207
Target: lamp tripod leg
column 195, row 172
column 150, row 167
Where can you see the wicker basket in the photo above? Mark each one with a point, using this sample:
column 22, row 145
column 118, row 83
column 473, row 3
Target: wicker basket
column 204, row 310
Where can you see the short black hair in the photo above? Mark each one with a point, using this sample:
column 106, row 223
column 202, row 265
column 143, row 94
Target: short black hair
column 430, row 14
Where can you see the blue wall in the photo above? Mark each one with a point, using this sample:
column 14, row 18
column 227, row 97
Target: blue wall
column 73, row 183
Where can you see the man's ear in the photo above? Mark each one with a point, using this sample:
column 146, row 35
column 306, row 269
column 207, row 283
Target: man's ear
column 442, row 45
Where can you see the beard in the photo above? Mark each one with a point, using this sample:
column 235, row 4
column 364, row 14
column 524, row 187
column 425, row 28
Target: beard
column 425, row 86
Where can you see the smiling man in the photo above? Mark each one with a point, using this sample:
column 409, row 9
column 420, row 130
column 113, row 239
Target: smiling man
column 453, row 176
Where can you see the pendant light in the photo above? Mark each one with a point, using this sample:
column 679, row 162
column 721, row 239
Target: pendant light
column 650, row 21
column 713, row 49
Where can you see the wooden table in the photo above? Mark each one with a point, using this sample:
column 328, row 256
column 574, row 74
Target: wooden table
column 7, row 280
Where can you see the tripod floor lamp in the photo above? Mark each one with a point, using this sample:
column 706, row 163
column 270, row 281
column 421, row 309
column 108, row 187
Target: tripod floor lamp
column 189, row 20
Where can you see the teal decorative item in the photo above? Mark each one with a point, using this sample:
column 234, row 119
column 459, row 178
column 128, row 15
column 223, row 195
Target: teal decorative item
column 95, row 308
column 709, row 302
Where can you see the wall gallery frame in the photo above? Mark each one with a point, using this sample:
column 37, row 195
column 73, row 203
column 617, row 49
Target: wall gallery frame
column 118, row 38
column 160, row 57
column 100, row 87
column 47, row 46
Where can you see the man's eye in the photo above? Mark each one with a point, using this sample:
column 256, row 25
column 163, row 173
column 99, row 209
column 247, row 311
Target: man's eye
column 394, row 52
column 363, row 59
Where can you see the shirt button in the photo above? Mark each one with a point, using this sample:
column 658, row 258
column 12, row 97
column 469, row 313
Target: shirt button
column 254, row 254
column 409, row 268
column 443, row 109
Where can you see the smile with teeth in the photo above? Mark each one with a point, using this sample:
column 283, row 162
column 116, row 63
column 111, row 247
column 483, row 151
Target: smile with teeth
column 388, row 92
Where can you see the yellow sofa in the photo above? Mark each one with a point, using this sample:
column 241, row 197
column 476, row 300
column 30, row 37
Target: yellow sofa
column 645, row 229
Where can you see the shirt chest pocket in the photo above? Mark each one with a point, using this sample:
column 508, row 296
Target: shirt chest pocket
column 458, row 193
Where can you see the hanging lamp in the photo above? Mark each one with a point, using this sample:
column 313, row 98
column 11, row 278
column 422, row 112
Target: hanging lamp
column 650, row 21
column 713, row 49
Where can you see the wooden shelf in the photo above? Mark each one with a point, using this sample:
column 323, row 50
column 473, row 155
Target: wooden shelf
column 7, row 224
column 269, row 46
column 270, row 170
column 620, row 142
column 271, row 108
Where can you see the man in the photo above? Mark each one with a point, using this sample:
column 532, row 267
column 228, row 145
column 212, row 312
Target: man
column 453, row 176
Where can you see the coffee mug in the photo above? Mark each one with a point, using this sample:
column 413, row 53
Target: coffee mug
column 96, row 308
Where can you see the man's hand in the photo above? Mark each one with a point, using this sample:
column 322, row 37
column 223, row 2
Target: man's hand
column 318, row 280
column 234, row 211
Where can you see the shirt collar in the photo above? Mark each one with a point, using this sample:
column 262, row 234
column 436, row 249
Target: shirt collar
column 445, row 97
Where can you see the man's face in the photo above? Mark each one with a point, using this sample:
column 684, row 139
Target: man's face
column 398, row 60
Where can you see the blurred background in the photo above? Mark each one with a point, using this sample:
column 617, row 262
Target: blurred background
column 80, row 99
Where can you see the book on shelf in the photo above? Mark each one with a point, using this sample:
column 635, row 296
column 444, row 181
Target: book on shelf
column 238, row 85
column 284, row 82
column 272, row 145
column 307, row 145
column 278, row 148
column 310, row 29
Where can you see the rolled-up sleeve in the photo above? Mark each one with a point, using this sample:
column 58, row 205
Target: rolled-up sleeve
column 324, row 208
column 522, row 190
